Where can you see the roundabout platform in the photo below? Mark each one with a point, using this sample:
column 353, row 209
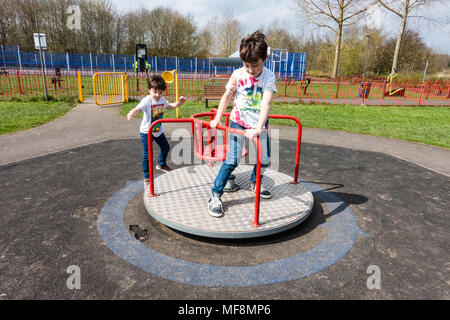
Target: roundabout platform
column 182, row 203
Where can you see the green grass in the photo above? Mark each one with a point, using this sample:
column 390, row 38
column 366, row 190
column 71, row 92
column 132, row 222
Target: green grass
column 21, row 115
column 429, row 125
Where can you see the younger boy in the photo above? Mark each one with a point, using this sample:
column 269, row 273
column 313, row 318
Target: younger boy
column 255, row 87
column 153, row 107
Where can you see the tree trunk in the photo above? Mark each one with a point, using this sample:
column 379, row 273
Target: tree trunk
column 399, row 38
column 337, row 51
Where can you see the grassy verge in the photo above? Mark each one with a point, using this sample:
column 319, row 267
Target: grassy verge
column 429, row 125
column 21, row 115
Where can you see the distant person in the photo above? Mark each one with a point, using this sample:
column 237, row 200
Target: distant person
column 136, row 66
column 153, row 106
column 255, row 87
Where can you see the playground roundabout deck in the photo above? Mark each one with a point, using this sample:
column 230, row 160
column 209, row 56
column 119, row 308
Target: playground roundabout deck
column 183, row 197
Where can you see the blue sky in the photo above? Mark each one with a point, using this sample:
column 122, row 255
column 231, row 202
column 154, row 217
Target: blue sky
column 254, row 14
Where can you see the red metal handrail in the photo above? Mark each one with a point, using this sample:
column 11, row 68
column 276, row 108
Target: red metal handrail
column 150, row 150
column 299, row 141
column 256, row 140
column 276, row 116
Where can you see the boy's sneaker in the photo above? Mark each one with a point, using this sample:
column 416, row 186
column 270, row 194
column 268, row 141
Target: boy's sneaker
column 263, row 192
column 164, row 168
column 215, row 205
column 146, row 183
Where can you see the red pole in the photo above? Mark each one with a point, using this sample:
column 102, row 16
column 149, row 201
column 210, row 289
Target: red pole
column 150, row 161
column 421, row 93
column 364, row 94
column 285, row 87
column 301, row 90
column 1, row 86
column 18, row 81
column 405, row 86
column 150, row 151
column 299, row 141
column 428, row 91
column 255, row 221
column 337, row 89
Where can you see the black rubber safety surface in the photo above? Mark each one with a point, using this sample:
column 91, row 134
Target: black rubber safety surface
column 49, row 207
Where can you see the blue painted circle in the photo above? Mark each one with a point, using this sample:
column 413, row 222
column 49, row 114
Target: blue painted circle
column 343, row 231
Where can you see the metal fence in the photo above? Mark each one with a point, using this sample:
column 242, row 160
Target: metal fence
column 285, row 65
column 16, row 84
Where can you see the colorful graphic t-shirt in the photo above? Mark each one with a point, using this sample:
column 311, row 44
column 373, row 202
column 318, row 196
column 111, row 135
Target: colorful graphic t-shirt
column 249, row 93
column 153, row 110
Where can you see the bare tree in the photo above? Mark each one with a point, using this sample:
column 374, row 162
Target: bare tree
column 278, row 37
column 135, row 29
column 205, row 43
column 403, row 9
column 53, row 20
column 8, row 19
column 98, row 20
column 28, row 12
column 229, row 34
column 334, row 15
column 171, row 33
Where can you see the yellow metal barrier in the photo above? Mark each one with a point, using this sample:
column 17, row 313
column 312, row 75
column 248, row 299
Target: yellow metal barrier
column 80, row 87
column 169, row 77
column 110, row 88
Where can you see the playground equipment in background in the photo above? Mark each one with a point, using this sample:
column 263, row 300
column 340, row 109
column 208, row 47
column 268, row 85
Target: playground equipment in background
column 397, row 92
column 305, row 85
column 169, row 77
column 57, row 78
column 110, row 88
column 181, row 202
column 141, row 64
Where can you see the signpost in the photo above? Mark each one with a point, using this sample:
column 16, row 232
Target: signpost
column 40, row 43
column 141, row 62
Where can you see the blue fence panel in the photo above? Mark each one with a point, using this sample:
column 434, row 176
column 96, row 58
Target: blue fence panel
column 10, row 59
column 56, row 60
column 292, row 65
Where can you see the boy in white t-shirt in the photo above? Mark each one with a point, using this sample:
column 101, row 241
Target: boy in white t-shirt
column 153, row 107
column 255, row 87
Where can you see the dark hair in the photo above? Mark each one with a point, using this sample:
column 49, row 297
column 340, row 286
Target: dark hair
column 253, row 47
column 157, row 82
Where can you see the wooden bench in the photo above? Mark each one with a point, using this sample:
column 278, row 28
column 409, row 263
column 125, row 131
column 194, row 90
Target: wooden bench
column 213, row 92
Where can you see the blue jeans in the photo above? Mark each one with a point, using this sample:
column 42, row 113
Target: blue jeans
column 236, row 143
column 163, row 145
